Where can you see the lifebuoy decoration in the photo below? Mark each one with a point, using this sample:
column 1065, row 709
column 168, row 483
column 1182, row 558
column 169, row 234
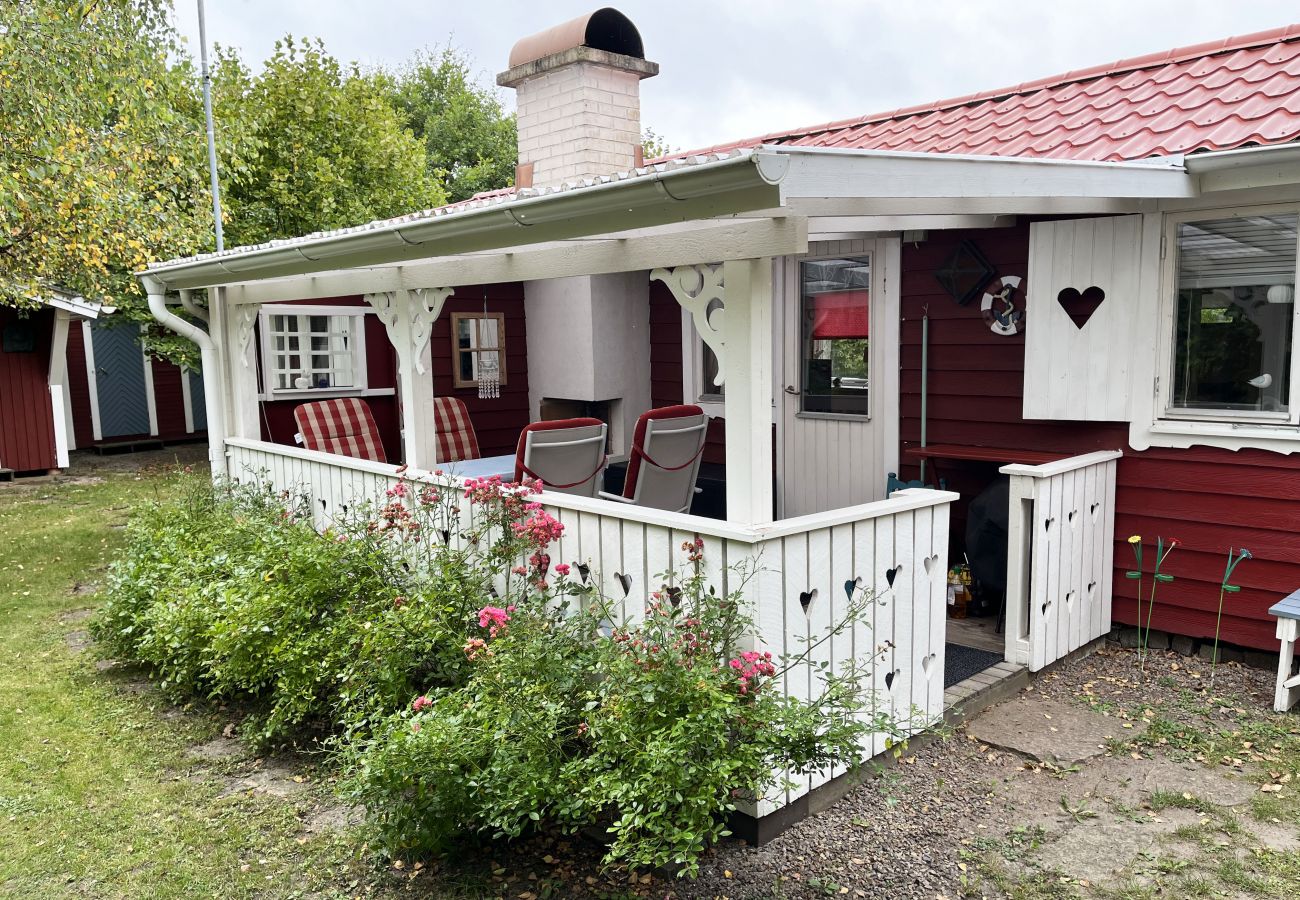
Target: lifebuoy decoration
column 999, row 307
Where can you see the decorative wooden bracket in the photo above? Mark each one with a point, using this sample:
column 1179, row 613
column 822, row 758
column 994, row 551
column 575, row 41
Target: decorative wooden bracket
column 246, row 319
column 426, row 306
column 699, row 290
column 419, row 312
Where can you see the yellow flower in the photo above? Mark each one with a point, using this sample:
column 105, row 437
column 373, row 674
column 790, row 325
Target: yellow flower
column 1135, row 539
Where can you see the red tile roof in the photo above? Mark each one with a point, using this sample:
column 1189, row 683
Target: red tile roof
column 1214, row 96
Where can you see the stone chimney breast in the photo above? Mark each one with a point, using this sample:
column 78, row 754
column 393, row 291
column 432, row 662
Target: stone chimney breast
column 578, row 99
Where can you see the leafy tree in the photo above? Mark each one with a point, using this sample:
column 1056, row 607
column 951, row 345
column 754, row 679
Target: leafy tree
column 468, row 137
column 100, row 165
column 655, row 145
column 307, row 145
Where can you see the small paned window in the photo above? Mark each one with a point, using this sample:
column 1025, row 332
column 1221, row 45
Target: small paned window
column 835, row 302
column 311, row 351
column 1234, row 321
column 478, row 348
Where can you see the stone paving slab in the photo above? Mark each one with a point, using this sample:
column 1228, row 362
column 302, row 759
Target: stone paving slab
column 1049, row 731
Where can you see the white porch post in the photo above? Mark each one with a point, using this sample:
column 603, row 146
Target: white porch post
column 64, row 436
column 408, row 317
column 747, row 374
column 240, row 371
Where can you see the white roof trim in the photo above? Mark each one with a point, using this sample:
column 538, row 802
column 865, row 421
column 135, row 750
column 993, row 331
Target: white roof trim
column 768, row 181
column 79, row 306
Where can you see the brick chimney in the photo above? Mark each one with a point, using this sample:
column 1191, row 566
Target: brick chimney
column 578, row 88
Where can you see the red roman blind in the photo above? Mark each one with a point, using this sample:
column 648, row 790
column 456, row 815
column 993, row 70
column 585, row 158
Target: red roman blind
column 839, row 314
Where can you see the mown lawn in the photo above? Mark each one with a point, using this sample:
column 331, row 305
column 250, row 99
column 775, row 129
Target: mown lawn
column 98, row 795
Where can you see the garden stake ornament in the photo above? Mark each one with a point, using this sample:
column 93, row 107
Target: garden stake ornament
column 1234, row 560
column 1162, row 553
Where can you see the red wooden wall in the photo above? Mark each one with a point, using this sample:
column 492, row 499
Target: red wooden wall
column 666, row 365
column 83, row 428
column 497, row 422
column 26, row 417
column 1209, row 499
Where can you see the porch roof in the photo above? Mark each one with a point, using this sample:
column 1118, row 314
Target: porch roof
column 771, row 183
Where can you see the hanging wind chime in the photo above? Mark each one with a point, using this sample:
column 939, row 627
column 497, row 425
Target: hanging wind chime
column 489, row 366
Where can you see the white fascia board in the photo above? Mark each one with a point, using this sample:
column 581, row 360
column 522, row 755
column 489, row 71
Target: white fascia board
column 829, row 173
column 706, row 243
column 702, row 191
column 1249, row 167
column 75, row 305
column 858, row 225
column 814, row 207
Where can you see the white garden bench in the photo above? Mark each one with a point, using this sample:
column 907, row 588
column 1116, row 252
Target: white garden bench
column 1288, row 623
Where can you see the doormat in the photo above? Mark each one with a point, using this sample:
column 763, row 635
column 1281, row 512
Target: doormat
column 961, row 663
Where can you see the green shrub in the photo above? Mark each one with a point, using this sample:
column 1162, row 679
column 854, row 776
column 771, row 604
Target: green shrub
column 652, row 732
column 530, row 706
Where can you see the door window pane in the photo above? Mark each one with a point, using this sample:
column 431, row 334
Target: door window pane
column 834, row 311
column 1235, row 314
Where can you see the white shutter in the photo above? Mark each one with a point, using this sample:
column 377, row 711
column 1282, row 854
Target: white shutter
column 1072, row 372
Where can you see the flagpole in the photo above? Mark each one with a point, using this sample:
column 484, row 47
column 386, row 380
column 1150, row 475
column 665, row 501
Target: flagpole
column 207, row 115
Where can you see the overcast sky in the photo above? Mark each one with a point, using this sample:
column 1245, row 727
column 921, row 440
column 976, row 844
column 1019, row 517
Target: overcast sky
column 735, row 69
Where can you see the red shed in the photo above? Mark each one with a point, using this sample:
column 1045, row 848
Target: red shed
column 35, row 408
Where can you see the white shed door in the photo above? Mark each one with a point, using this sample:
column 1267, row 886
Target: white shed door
column 837, row 415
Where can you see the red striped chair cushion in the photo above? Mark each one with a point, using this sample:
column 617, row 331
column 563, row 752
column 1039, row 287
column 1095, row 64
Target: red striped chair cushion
column 343, row 426
column 456, row 437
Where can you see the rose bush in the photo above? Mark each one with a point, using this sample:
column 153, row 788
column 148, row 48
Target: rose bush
column 469, row 687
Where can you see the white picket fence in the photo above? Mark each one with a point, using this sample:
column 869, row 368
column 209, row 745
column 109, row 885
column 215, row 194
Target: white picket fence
column 1060, row 556
column 804, row 571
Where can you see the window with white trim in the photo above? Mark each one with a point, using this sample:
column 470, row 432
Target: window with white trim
column 313, row 349
column 835, row 303
column 1234, row 318
column 700, row 367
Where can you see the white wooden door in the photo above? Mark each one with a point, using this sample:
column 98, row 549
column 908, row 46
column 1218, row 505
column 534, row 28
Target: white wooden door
column 835, row 449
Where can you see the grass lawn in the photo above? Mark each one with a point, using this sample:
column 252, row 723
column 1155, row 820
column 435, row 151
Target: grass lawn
column 98, row 795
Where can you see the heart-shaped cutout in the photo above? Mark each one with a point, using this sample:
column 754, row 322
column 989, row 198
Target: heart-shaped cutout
column 851, row 586
column 1046, row 607
column 889, row 679
column 1070, row 516
column 584, row 571
column 806, row 598
column 1069, row 599
column 624, row 581
column 1080, row 305
column 930, row 562
column 1048, row 523
column 1094, row 509
column 1092, row 589
column 927, row 663
column 891, row 574
column 674, row 595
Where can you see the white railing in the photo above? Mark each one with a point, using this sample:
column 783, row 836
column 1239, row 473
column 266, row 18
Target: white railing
column 1060, row 554
column 804, row 571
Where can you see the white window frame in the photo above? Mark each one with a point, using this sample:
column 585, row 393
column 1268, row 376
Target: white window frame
column 796, row 297
column 360, row 375
column 693, row 388
column 1236, row 428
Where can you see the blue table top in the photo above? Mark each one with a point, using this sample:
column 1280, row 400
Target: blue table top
column 1287, row 608
column 483, row 467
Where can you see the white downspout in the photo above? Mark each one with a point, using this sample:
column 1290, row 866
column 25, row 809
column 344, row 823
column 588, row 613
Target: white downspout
column 188, row 304
column 211, row 368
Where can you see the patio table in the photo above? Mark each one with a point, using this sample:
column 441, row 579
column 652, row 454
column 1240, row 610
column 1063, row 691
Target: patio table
column 483, row 467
